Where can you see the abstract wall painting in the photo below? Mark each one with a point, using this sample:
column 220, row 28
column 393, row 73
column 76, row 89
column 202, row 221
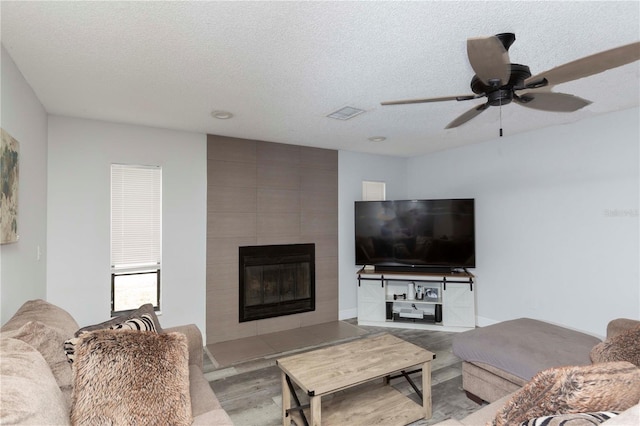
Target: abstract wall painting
column 9, row 149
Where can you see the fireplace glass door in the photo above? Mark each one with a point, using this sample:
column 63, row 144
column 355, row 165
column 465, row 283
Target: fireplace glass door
column 276, row 280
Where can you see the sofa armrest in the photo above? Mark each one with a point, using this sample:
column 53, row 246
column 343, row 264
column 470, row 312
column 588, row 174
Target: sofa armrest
column 619, row 325
column 194, row 337
column 626, row 418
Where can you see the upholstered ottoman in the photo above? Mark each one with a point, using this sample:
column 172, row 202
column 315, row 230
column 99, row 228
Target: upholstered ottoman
column 501, row 358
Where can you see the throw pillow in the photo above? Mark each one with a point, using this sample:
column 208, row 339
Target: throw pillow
column 49, row 342
column 131, row 377
column 146, row 309
column 144, row 323
column 579, row 419
column 30, row 394
column 611, row 386
column 621, row 347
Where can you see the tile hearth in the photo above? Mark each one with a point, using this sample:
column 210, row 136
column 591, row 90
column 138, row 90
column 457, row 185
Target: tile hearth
column 234, row 351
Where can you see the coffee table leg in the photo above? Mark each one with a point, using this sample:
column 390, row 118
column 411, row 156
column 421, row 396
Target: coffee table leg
column 426, row 389
column 286, row 400
column 316, row 416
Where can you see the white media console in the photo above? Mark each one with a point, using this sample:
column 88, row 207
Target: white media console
column 387, row 299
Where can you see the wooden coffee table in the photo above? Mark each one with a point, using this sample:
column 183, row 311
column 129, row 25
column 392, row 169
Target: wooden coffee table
column 336, row 368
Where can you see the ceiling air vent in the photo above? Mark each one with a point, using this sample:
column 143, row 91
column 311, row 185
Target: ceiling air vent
column 345, row 113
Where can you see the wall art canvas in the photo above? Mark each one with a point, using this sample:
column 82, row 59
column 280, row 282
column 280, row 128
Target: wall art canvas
column 9, row 149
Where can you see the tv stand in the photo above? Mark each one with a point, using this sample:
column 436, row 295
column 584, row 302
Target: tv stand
column 447, row 302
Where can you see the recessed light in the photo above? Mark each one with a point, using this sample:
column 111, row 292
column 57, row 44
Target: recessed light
column 377, row 139
column 221, row 115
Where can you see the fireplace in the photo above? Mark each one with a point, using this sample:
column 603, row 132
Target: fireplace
column 276, row 280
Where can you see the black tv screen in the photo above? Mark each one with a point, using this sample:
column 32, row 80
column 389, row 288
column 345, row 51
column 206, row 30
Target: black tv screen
column 415, row 233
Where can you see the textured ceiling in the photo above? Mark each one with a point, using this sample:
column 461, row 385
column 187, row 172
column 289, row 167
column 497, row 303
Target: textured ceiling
column 281, row 67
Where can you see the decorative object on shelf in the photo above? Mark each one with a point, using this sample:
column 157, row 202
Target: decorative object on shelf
column 411, row 291
column 431, row 293
column 9, row 149
column 411, row 313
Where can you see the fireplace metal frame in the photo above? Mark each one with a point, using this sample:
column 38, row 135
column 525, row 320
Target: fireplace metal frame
column 268, row 255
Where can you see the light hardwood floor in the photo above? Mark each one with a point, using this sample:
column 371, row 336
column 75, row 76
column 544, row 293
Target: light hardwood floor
column 249, row 387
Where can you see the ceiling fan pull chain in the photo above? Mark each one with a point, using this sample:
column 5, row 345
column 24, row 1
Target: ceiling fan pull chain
column 500, row 117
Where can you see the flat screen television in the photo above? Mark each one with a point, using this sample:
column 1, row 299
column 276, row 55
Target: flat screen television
column 407, row 234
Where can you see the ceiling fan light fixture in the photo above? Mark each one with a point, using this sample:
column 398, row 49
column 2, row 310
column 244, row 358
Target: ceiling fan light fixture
column 221, row 115
column 345, row 113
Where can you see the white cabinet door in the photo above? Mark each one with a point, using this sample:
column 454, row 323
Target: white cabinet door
column 371, row 301
column 458, row 306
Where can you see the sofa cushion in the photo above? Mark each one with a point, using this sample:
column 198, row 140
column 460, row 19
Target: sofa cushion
column 613, row 386
column 49, row 342
column 203, row 399
column 624, row 346
column 577, row 419
column 142, row 314
column 131, row 377
column 46, row 313
column 30, row 394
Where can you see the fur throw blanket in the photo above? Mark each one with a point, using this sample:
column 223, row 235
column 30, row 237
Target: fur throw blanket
column 611, row 386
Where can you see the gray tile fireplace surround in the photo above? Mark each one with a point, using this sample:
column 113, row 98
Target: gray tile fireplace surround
column 263, row 193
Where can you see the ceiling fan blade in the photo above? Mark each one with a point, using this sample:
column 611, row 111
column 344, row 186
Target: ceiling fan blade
column 467, row 116
column 444, row 98
column 589, row 65
column 489, row 60
column 550, row 101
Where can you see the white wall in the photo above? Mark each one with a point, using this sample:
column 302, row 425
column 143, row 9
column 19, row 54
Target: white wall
column 22, row 274
column 353, row 168
column 549, row 243
column 80, row 156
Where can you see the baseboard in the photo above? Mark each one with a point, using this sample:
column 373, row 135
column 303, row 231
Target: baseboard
column 347, row 314
column 483, row 322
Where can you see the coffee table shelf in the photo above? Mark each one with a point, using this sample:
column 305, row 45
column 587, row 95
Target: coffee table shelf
column 380, row 405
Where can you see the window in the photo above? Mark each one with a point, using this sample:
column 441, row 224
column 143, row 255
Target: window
column 373, row 191
column 136, row 236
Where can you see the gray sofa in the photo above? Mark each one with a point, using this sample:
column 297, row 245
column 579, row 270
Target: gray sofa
column 500, row 359
column 37, row 384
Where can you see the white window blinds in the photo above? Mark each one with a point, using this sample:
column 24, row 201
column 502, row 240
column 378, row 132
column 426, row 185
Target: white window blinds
column 136, row 209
